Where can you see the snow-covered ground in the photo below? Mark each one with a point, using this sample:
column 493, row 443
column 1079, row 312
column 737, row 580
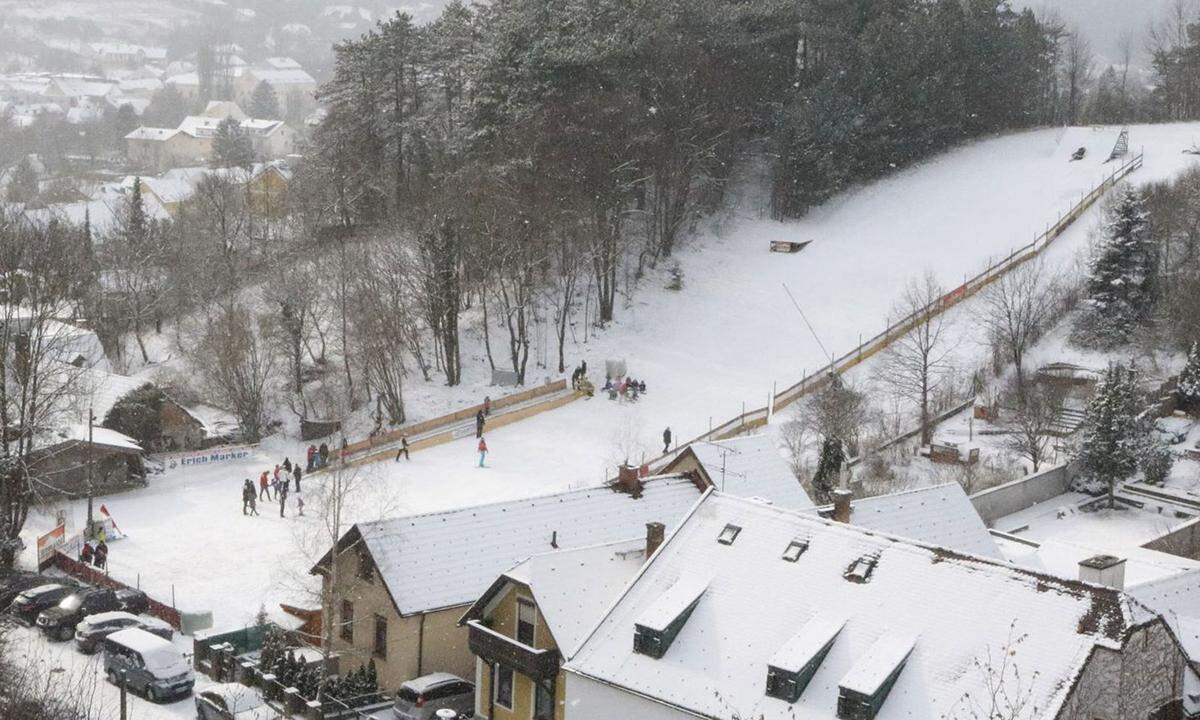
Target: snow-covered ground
column 705, row 351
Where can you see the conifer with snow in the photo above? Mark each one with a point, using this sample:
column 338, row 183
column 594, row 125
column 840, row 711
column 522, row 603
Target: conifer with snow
column 829, row 466
column 1112, row 437
column 1122, row 278
column 1189, row 380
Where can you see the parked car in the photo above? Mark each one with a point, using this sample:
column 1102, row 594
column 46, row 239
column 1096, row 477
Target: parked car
column 17, row 582
column 421, row 698
column 94, row 628
column 151, row 666
column 232, row 701
column 134, row 601
column 58, row 622
column 30, row 603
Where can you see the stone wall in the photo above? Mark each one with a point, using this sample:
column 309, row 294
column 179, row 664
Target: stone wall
column 995, row 503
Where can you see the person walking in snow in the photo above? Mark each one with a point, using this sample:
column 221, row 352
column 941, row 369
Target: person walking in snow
column 323, row 454
column 666, row 441
column 487, row 405
column 253, row 503
column 403, row 449
column 479, row 424
column 283, row 492
column 287, row 465
column 483, row 451
column 296, row 470
column 101, row 555
column 311, row 452
column 275, row 476
column 85, row 553
column 247, row 496
column 263, row 485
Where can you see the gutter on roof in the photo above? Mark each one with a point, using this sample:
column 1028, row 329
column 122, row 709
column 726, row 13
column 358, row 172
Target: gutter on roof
column 642, row 695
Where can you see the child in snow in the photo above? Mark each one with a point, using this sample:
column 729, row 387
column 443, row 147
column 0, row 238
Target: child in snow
column 85, row 554
column 483, row 451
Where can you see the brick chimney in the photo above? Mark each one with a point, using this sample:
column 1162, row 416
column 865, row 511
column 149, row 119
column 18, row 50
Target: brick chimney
column 655, row 532
column 1106, row 570
column 628, row 480
column 841, row 504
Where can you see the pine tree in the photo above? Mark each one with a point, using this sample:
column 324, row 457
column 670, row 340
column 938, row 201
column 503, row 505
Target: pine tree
column 264, row 103
column 136, row 226
column 272, row 649
column 1189, row 380
column 830, row 465
column 1112, row 439
column 232, row 146
column 1123, row 277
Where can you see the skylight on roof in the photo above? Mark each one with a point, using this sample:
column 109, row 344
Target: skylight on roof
column 861, row 569
column 729, row 534
column 795, row 549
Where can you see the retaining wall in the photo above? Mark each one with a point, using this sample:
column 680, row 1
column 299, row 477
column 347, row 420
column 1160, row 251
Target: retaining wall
column 1017, row 495
column 1183, row 541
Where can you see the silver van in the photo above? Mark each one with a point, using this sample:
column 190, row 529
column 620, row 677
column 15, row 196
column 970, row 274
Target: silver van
column 151, row 665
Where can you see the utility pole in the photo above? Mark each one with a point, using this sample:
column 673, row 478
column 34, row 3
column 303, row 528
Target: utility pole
column 91, row 490
column 124, row 714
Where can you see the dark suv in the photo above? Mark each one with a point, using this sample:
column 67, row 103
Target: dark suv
column 30, row 603
column 59, row 622
column 17, row 582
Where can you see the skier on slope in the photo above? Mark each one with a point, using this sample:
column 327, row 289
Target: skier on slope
column 479, row 421
column 483, row 451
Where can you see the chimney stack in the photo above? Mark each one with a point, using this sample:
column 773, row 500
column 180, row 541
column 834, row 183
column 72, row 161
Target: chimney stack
column 841, row 504
column 1106, row 570
column 655, row 532
column 628, row 480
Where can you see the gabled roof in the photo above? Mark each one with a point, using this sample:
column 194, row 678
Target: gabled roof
column 448, row 559
column 1177, row 599
column 959, row 608
column 749, row 467
column 152, row 133
column 939, row 515
column 572, row 588
column 282, row 76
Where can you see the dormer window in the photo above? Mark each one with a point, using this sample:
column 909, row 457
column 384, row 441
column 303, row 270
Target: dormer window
column 795, row 549
column 658, row 626
column 860, row 571
column 729, row 534
column 863, row 690
column 797, row 661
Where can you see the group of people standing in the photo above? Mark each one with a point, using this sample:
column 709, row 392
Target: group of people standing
column 274, row 485
column 98, row 555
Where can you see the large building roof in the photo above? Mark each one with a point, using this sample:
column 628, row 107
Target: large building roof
column 447, row 559
column 933, row 613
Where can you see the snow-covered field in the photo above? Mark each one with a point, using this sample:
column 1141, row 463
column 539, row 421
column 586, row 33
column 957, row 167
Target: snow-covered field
column 704, row 351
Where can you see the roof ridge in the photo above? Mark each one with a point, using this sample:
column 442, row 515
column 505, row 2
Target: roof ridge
column 677, row 479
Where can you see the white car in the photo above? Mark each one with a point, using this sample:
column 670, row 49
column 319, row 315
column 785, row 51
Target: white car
column 232, row 701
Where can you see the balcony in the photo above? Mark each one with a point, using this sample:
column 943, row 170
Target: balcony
column 492, row 647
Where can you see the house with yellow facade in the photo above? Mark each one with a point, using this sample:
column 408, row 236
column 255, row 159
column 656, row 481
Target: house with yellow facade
column 395, row 590
column 533, row 616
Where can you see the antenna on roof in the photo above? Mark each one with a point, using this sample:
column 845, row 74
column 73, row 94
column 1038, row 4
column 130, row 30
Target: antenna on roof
column 806, row 322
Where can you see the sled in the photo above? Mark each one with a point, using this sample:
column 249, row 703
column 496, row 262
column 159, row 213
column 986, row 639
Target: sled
column 787, row 246
column 1078, row 154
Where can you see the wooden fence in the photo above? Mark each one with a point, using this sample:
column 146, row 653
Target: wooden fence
column 99, row 578
column 753, row 419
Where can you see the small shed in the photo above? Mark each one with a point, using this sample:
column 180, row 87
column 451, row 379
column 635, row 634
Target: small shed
column 60, row 465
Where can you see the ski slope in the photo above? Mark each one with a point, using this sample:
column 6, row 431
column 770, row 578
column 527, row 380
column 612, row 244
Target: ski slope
column 704, row 351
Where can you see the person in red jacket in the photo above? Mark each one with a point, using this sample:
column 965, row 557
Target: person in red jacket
column 264, row 486
column 483, row 451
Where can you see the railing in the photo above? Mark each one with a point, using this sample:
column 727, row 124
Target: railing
column 868, row 348
column 494, row 647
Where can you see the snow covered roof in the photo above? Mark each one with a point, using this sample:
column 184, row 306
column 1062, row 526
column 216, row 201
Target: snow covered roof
column 1177, row 599
column 101, row 436
column 283, row 76
column 282, row 63
column 751, row 467
column 572, row 587
column 1142, row 566
column 471, row 546
column 103, row 389
column 151, row 133
column 939, row 515
column 918, row 595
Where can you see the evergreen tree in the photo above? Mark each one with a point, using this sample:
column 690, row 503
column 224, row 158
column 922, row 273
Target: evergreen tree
column 138, row 414
column 1189, row 380
column 264, row 103
column 137, row 229
column 1112, row 439
column 232, row 146
column 829, row 467
column 274, row 644
column 371, row 678
column 1123, row 276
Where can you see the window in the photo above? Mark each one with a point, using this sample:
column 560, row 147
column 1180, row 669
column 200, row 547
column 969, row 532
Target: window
column 502, row 693
column 366, row 568
column 860, row 571
column 543, row 702
column 347, row 629
column 794, row 550
column 729, row 534
column 380, row 649
column 526, row 621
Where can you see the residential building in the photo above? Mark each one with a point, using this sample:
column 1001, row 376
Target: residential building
column 729, row 465
column 72, row 459
column 397, row 588
column 535, row 614
column 753, row 611
column 192, row 141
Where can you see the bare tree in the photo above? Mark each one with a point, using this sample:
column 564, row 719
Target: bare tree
column 37, row 359
column 917, row 362
column 1006, row 692
column 1015, row 310
column 1077, row 74
column 237, row 366
column 1032, row 422
column 382, row 326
